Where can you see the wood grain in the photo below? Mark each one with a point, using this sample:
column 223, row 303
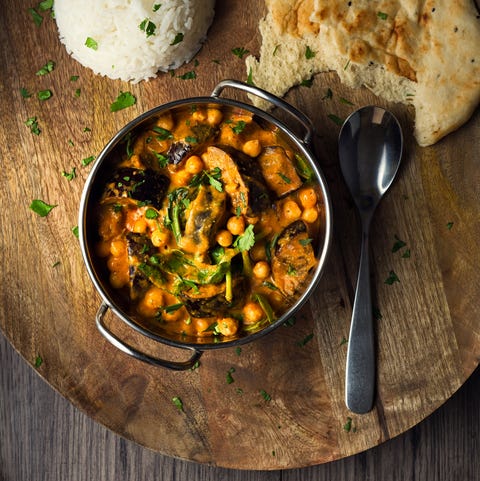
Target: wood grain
column 427, row 328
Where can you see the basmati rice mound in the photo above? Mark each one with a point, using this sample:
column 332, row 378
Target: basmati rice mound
column 132, row 40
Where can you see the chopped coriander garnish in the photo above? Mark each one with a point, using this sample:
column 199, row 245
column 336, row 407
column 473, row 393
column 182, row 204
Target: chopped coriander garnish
column 41, row 208
column 238, row 350
column 305, row 242
column 348, row 425
column 188, row 75
column 87, row 129
column 328, row 94
column 44, row 94
column 191, row 140
column 45, row 5
column 240, row 51
column 25, row 93
column 449, row 225
column 346, row 65
column 56, row 264
column 38, row 361
column 70, row 175
column 178, row 38
column 75, row 231
column 177, row 402
column 343, row 341
column 398, row 244
column 47, row 68
column 290, row 322
column 275, row 50
column 406, row 254
column 74, row 78
column 124, row 100
column 230, row 379
column 335, row 118
column 148, row 27
column 265, row 395
column 151, row 213
column 309, row 53
column 392, row 277
column 250, row 77
column 239, row 127
column 382, row 15
column 245, row 241
column 305, row 340
column 33, row 124
column 286, row 179
column 346, row 101
column 77, row 93
column 163, row 134
column 307, row 82
column 88, row 160
column 156, row 6
column 36, row 17
column 91, row 43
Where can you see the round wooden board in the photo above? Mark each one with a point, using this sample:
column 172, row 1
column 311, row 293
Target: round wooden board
column 427, row 323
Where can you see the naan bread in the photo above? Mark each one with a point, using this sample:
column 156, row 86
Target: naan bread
column 420, row 52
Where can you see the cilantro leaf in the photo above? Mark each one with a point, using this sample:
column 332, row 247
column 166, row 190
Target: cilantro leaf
column 124, row 100
column 41, row 208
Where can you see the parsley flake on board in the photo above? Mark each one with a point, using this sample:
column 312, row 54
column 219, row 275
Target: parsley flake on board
column 348, row 425
column 305, row 340
column 188, row 75
column 382, row 15
column 392, row 278
column 91, row 43
column 25, row 93
column 156, row 6
column 88, row 160
column 46, row 69
column 70, row 175
column 265, row 395
column 36, row 17
column 33, row 124
column 230, row 379
column 124, row 100
column 38, row 361
column 177, row 402
column 336, row 119
column 44, row 94
column 240, row 51
column 41, row 208
column 399, row 244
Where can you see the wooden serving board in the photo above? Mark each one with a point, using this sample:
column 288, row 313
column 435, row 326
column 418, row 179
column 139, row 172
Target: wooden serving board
column 427, row 327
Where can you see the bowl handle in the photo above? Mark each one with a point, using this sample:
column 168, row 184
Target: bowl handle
column 273, row 99
column 174, row 365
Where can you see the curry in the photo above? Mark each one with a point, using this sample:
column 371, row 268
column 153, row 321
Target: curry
column 209, row 221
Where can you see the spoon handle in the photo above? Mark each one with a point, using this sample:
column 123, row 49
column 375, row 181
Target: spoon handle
column 360, row 375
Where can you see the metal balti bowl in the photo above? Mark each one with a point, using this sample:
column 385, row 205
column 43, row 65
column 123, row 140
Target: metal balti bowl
column 88, row 236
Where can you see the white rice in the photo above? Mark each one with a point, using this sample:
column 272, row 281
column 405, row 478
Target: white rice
column 124, row 51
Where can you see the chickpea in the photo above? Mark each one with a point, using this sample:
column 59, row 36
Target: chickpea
column 102, row 249
column 118, row 279
column 172, row 316
column 194, row 165
column 236, row 225
column 160, row 237
column 214, row 116
column 291, row 210
column 117, row 248
column 310, row 215
column 257, row 252
column 261, row 270
column 307, row 197
column 115, row 264
column 252, row 312
column 181, row 177
column 140, row 226
column 224, row 238
column 201, row 325
column 153, row 298
column 252, row 148
column 227, row 326
column 165, row 121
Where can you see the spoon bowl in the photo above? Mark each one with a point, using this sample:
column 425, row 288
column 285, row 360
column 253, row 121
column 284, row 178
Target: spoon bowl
column 370, row 149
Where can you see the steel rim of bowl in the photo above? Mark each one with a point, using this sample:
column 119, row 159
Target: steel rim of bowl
column 90, row 183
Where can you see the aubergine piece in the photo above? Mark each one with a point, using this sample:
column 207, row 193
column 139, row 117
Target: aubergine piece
column 200, row 133
column 144, row 185
column 209, row 300
column 278, row 170
column 139, row 249
column 293, row 258
column 241, row 177
column 203, row 217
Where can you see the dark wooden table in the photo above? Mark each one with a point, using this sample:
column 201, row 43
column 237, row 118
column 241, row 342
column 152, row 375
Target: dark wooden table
column 43, row 437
